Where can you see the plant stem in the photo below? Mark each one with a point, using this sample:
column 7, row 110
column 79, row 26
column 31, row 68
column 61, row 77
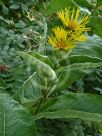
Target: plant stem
column 42, row 98
column 38, row 107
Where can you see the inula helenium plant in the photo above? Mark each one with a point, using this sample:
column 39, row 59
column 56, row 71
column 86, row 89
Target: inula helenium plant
column 53, row 90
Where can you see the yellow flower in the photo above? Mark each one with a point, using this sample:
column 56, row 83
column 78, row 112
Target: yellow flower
column 79, row 37
column 60, row 39
column 68, row 36
column 71, row 20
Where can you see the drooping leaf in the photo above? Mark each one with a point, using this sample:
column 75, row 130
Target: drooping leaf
column 42, row 68
column 81, row 106
column 44, row 79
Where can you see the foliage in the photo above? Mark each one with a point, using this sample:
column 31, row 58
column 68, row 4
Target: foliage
column 40, row 85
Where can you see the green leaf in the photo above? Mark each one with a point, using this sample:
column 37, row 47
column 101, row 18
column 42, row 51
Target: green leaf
column 79, row 59
column 89, row 51
column 56, row 5
column 45, row 78
column 84, row 3
column 70, row 114
column 86, row 53
column 72, row 73
column 43, row 58
column 92, row 47
column 83, row 59
column 3, row 85
column 29, row 90
column 5, row 10
column 81, row 106
column 96, row 24
column 99, row 4
column 20, row 24
column 42, row 68
column 1, row 3
column 15, row 6
column 80, row 66
column 14, row 119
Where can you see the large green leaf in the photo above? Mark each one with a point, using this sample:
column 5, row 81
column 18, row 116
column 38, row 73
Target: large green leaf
column 70, row 114
column 82, row 106
column 14, row 119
